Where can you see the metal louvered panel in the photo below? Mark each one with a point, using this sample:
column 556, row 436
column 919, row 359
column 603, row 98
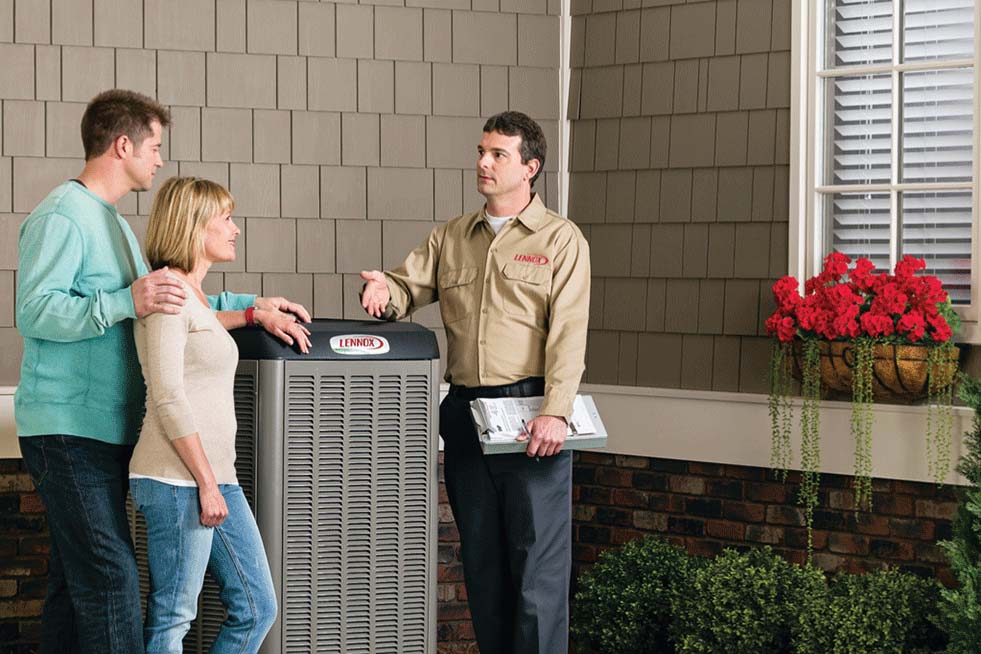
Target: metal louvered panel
column 244, row 391
column 367, row 577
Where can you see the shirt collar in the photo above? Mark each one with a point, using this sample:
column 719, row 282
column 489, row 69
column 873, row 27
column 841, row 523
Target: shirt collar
column 532, row 216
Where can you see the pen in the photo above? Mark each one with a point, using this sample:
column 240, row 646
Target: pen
column 524, row 428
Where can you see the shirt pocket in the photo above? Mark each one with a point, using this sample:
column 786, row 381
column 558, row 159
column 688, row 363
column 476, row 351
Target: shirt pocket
column 525, row 290
column 456, row 293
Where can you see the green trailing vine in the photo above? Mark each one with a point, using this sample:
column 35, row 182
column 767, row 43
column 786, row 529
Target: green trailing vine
column 781, row 419
column 940, row 412
column 810, row 436
column 861, row 420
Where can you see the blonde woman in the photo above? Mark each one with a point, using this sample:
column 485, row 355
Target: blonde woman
column 182, row 474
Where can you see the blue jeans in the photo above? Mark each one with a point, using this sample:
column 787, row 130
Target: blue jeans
column 93, row 599
column 180, row 549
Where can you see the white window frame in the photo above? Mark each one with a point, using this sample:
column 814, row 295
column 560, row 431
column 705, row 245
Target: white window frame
column 805, row 251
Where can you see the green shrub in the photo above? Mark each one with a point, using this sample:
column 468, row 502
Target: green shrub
column 960, row 609
column 624, row 603
column 744, row 603
column 887, row 612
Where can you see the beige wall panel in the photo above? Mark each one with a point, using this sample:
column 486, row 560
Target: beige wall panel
column 583, row 145
column 732, row 130
column 7, row 298
column 136, row 70
column 781, row 193
column 725, row 27
column 693, row 140
column 693, row 30
column 185, row 133
column 332, row 84
column 352, row 309
column 256, row 189
column 602, row 92
column 451, row 142
column 327, row 296
column 300, row 191
column 213, row 283
column 291, row 76
column 735, row 203
column 400, row 194
column 655, row 25
column 9, row 231
column 667, row 250
column 681, row 306
column 711, row 306
column 401, row 237
column 752, row 81
column 413, row 88
column 316, row 29
column 315, row 246
column 403, row 141
column 11, row 352
column 762, row 194
column 236, row 80
column 17, row 72
column 725, row 363
column 587, row 197
column 485, row 38
column 232, row 19
column 35, row 177
column 686, row 86
column 226, row 135
column 538, row 40
column 6, row 183
column 439, row 4
column 741, row 294
column 659, row 360
column 62, row 129
column 640, row 251
column 597, row 293
column 86, row 72
column 448, row 192
column 71, row 23
column 608, row 245
column 753, row 25
column 456, row 89
column 754, row 356
column 316, row 137
column 660, row 138
column 163, row 32
column 48, row 65
column 656, row 290
column 695, row 261
column 525, row 6
column 627, row 363
column 438, row 33
column 752, row 250
column 272, row 245
column 358, row 245
column 298, row 288
column 762, row 134
column 602, row 354
column 696, row 362
column 360, row 135
column 355, row 31
column 778, row 80
column 118, row 23
column 493, row 90
column 676, row 195
column 23, row 128
column 6, row 21
column 628, row 37
column 633, row 76
column 782, row 138
column 534, row 91
column 376, row 86
column 577, row 42
column 623, row 296
column 723, row 94
column 398, row 33
column 181, row 77
column 657, row 96
column 238, row 282
column 780, row 28
column 32, row 21
column 343, row 192
column 272, row 136
column 271, row 27
column 722, row 239
column 217, row 172
column 620, row 186
column 601, row 39
column 778, row 250
column 704, row 194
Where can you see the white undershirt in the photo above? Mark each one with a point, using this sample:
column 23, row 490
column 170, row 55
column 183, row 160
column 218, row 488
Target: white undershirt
column 497, row 223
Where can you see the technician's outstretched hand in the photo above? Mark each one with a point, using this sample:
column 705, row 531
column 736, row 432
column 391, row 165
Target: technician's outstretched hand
column 546, row 434
column 376, row 296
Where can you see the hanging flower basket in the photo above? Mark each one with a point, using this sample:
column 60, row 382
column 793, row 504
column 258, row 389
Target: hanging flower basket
column 900, row 373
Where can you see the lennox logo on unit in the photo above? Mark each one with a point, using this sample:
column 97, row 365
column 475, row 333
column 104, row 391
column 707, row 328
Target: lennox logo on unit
column 357, row 344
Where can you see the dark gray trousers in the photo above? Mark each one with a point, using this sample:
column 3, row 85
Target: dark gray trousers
column 514, row 514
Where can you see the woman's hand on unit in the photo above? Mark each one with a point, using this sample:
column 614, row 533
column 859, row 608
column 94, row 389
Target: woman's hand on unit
column 285, row 327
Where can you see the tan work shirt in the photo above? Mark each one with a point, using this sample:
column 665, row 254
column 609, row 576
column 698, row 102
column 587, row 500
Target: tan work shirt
column 515, row 304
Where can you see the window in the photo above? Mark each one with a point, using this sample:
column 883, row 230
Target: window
column 885, row 114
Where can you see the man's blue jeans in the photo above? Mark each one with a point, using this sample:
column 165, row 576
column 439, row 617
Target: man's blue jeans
column 180, row 549
column 93, row 601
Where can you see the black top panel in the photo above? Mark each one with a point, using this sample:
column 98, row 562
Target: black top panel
column 344, row 340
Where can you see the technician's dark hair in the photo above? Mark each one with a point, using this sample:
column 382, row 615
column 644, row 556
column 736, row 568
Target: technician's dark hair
column 515, row 123
column 116, row 112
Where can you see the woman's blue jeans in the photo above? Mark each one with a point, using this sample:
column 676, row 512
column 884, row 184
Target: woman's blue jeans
column 180, row 549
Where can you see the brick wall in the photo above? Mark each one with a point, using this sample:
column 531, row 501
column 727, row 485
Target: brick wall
column 702, row 507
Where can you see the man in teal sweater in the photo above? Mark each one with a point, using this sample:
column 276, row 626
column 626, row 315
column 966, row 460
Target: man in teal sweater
column 81, row 282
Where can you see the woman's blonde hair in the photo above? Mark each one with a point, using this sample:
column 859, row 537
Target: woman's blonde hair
column 178, row 219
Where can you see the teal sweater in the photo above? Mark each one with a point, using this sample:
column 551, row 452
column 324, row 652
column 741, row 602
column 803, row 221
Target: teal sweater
column 80, row 374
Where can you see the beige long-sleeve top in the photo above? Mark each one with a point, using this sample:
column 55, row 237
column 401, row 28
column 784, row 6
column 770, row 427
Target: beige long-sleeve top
column 189, row 363
column 515, row 304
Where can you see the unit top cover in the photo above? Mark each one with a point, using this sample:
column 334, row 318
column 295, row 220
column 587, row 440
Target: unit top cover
column 343, row 340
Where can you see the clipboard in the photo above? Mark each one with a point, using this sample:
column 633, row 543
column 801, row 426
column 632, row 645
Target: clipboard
column 498, row 426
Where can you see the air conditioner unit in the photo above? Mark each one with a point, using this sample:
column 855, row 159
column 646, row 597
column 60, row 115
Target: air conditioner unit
column 337, row 455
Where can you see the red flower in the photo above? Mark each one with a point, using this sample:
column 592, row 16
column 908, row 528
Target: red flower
column 941, row 330
column 912, row 325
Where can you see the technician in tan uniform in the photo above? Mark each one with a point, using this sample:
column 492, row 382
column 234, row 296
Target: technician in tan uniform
column 512, row 281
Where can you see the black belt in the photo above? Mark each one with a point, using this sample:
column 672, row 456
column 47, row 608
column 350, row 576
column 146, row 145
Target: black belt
column 529, row 387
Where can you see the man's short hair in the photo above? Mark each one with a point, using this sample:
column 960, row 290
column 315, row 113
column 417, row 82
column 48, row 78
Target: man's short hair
column 116, row 112
column 515, row 123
